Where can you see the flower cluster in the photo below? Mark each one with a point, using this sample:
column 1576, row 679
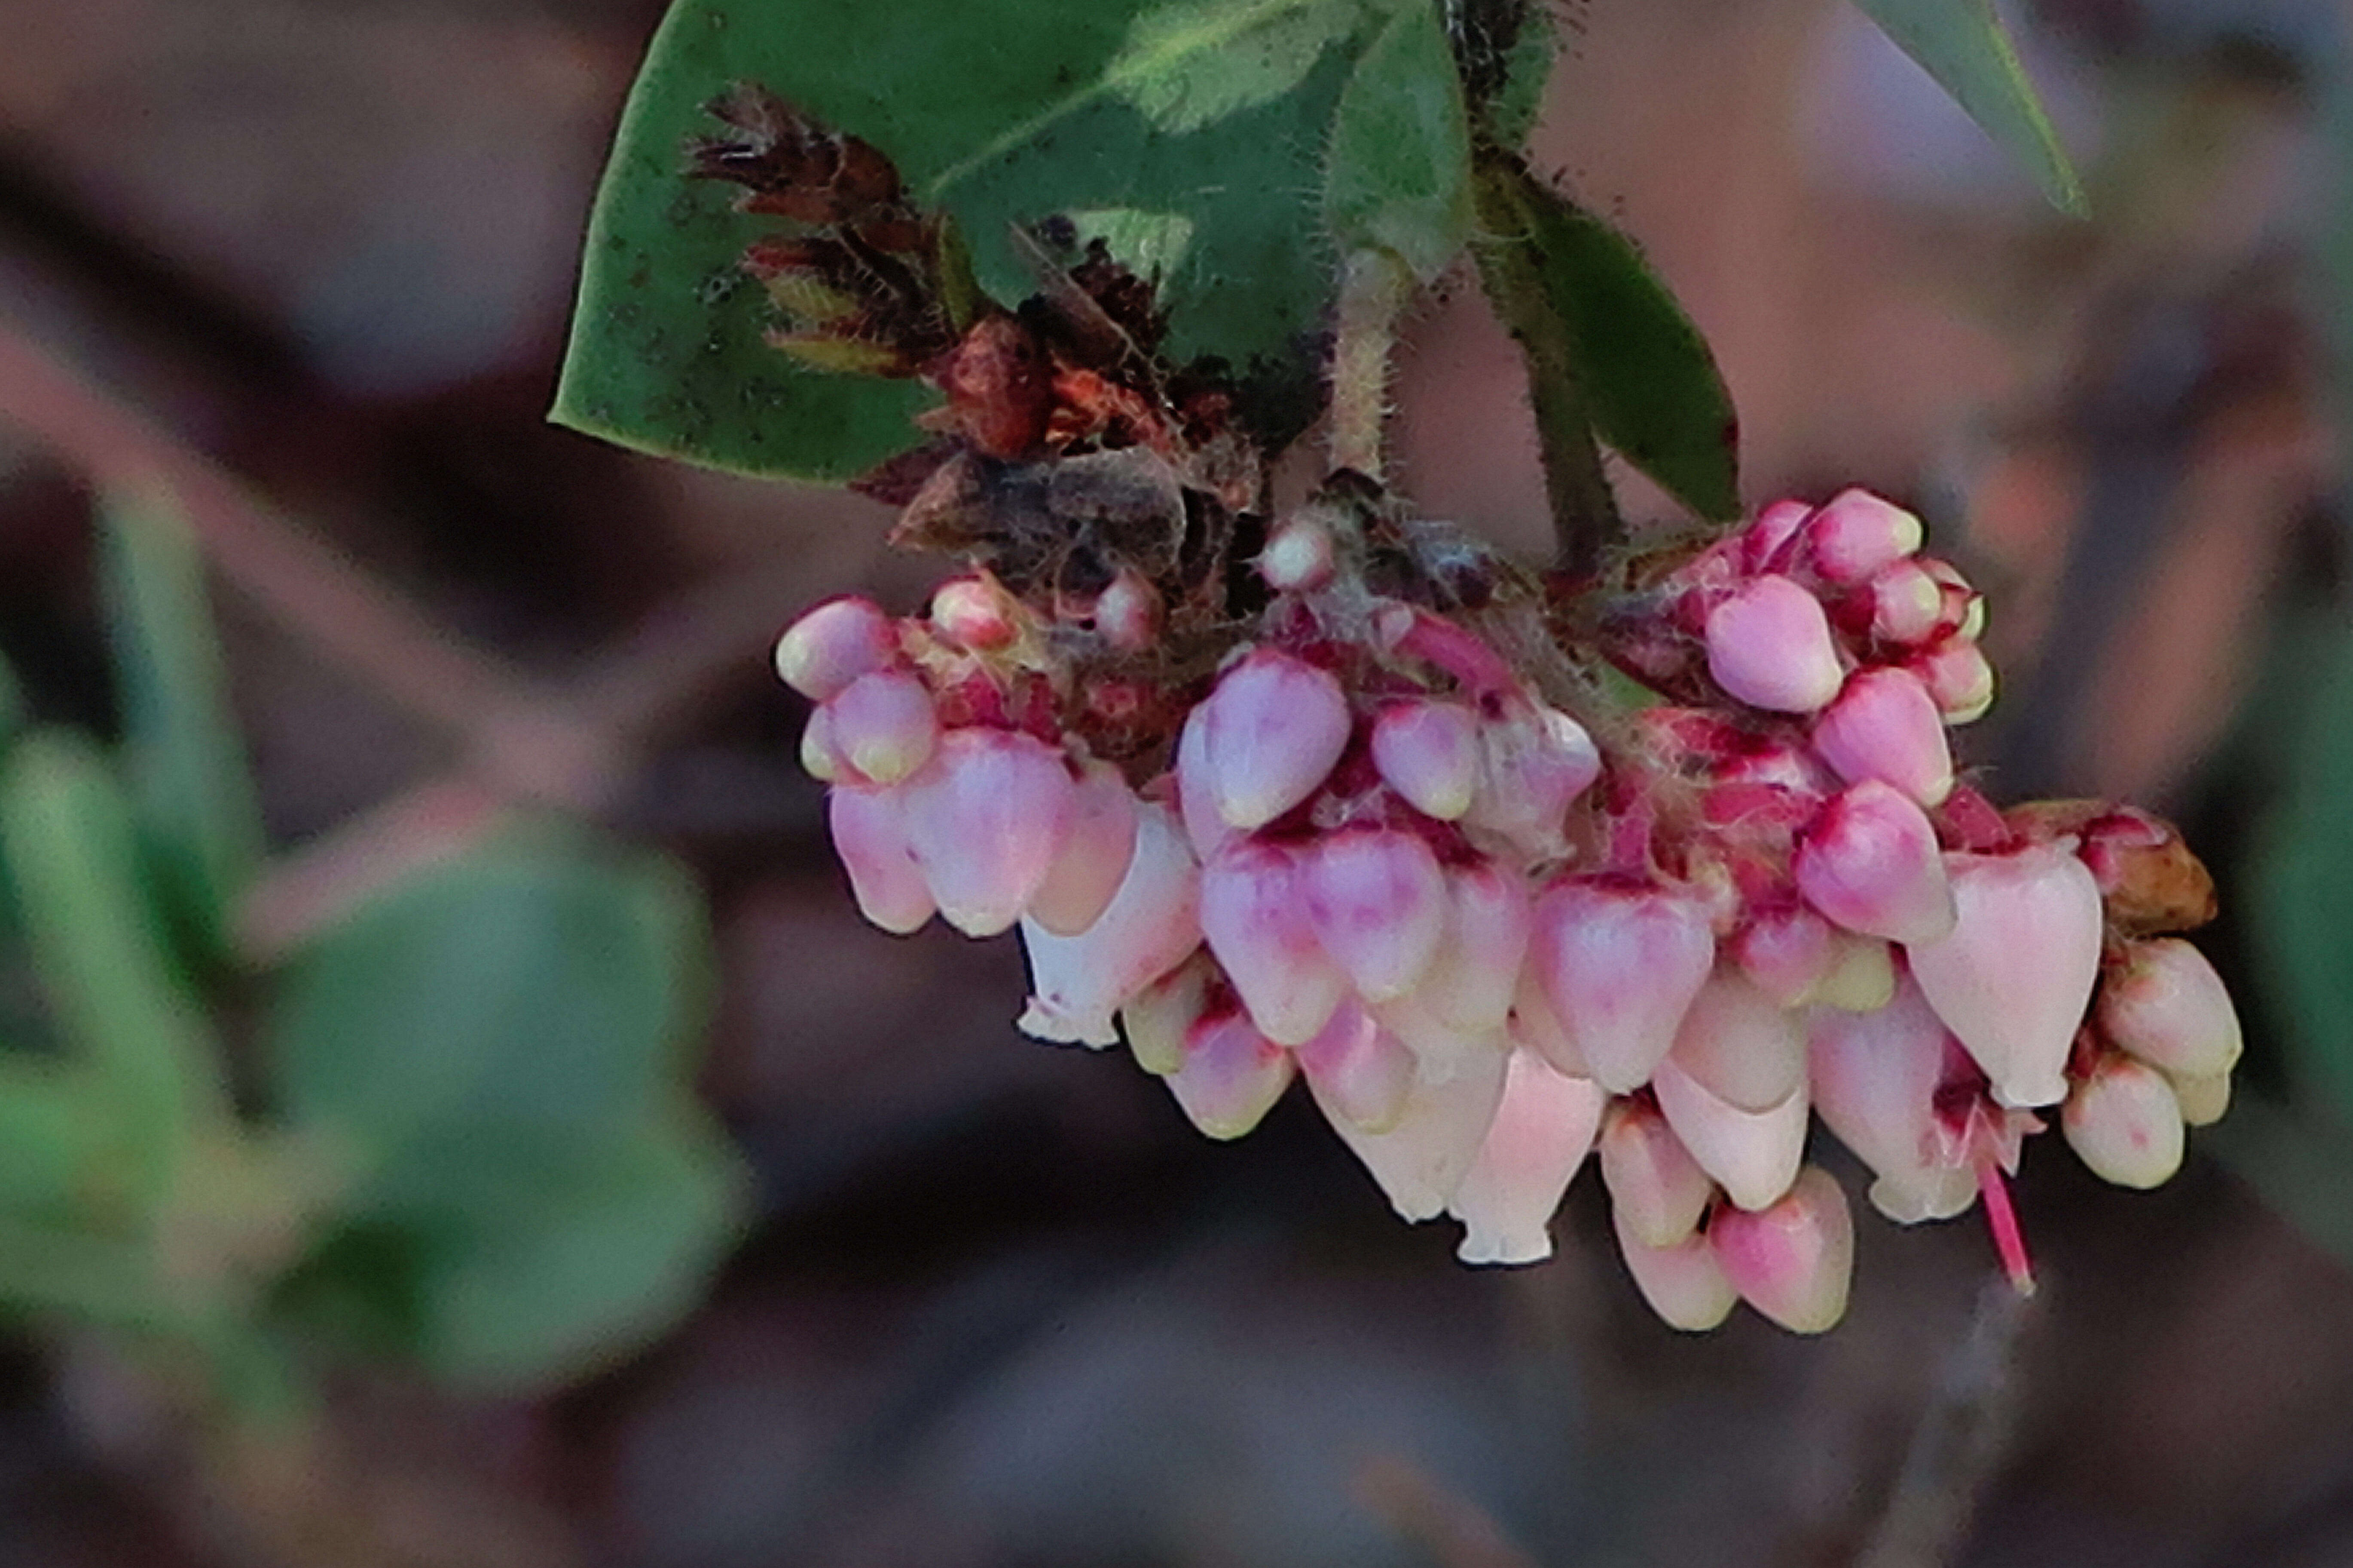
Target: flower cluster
column 1412, row 835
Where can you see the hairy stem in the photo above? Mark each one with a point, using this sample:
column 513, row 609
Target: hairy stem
column 1585, row 519
column 1374, row 288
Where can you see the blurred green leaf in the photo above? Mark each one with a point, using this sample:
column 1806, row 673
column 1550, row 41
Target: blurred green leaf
column 1005, row 112
column 1510, row 115
column 122, row 1007
column 1398, row 174
column 56, row 1148
column 2301, row 882
column 181, row 753
column 1645, row 376
column 1963, row 44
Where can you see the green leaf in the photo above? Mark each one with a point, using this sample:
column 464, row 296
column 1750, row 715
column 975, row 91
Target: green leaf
column 1648, row 382
column 1511, row 116
column 181, row 753
column 1005, row 112
column 1398, row 176
column 533, row 982
column 1963, row 44
column 56, row 1147
column 2302, row 884
column 127, row 1016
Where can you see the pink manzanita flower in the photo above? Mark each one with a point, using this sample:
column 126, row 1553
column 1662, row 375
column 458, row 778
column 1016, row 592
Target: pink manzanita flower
column 977, row 613
column 1429, row 753
column 1658, row 1190
column 2013, row 977
column 1534, row 760
column 1420, row 1158
column 2164, row 1005
column 2204, row 1099
column 821, row 757
column 1470, row 982
column 1254, row 914
column 1150, row 926
column 1786, row 950
column 1270, row 734
column 1740, row 1045
column 1874, row 1078
column 1752, row 1155
column 1793, row 1261
column 1095, row 856
column 1770, row 646
column 870, row 835
column 1542, row 1129
column 1619, row 965
column 1856, row 534
column 883, row 724
column 1157, row 1018
column 1377, row 901
column 986, row 818
column 2124, row 1122
column 1684, row 1284
column 1885, row 726
column 1906, row 603
column 1869, row 862
column 1230, row 1076
column 1535, row 1026
column 833, row 645
column 1958, row 677
column 1358, row 1071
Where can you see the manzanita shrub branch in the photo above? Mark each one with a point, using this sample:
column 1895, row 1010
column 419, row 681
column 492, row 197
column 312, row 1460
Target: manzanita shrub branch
column 1656, row 857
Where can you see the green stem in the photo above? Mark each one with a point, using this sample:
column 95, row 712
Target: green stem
column 1374, row 288
column 1585, row 519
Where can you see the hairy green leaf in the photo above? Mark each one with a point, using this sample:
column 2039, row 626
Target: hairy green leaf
column 1190, row 65
column 1963, row 44
column 1398, row 177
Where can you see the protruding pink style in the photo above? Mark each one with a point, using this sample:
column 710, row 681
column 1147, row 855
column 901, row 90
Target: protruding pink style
column 834, row 644
column 1770, row 646
column 2124, row 1122
column 1684, row 1284
column 1885, row 726
column 987, row 819
column 1428, row 752
column 2165, row 1005
column 1271, row 733
column 1378, row 903
column 1095, row 852
column 1358, row 1070
column 870, row 835
column 2014, row 976
column 1619, row 966
column 1230, row 1078
column 883, row 724
column 1542, row 1129
column 1793, row 1261
column 1855, row 534
column 1254, row 914
column 1869, row 862
column 1657, row 1189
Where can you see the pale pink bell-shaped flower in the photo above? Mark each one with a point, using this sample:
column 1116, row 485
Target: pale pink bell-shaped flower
column 2165, row 1005
column 870, row 835
column 1874, row 1078
column 1095, row 856
column 1752, row 1155
column 2015, row 974
column 1428, row 752
column 1270, row 735
column 1536, row 1026
column 1358, row 1070
column 1379, row 902
column 1150, row 926
column 986, row 818
column 1884, row 726
column 1856, row 534
column 1785, row 950
column 1770, row 646
column 1441, row 1048
column 1793, row 1261
column 1534, row 762
column 1421, row 1158
column 1657, row 1189
column 1907, row 603
column 834, row 644
column 883, row 724
column 1684, row 1284
column 1254, row 914
column 1619, row 965
column 1157, row 1018
column 2124, row 1124
column 1869, row 861
column 1740, row 1045
column 1469, row 983
column 1230, row 1078
column 1542, row 1129
column 1958, row 677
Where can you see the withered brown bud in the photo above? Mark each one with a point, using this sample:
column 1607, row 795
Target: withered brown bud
column 1000, row 387
column 2149, row 879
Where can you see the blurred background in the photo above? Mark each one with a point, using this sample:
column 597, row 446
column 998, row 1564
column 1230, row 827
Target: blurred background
column 289, row 280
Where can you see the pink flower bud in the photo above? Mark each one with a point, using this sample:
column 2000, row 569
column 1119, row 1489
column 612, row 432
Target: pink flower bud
column 1907, row 605
column 821, row 757
column 870, row 835
column 1377, row 901
column 1157, row 1018
column 1884, row 726
column 1740, row 1045
column 2165, row 1005
column 1869, row 862
column 1095, row 854
column 1358, row 1072
column 1470, row 982
column 1231, row 1075
column 1770, row 646
column 2124, row 1124
column 1684, row 1284
column 1765, row 538
column 1856, row 534
column 1430, row 754
column 1619, row 965
column 1271, row 733
column 1534, row 762
column 1299, row 556
column 1127, row 614
column 1149, row 927
column 1786, row 951
column 1254, row 913
column 987, row 819
column 883, row 724
column 1793, row 1261
column 1658, row 1190
column 1542, row 1129
column 1208, row 831
column 833, row 645
column 2014, row 976
column 975, row 613
column 1752, row 1155
column 1420, row 1160
column 1957, row 678
column 2204, row 1099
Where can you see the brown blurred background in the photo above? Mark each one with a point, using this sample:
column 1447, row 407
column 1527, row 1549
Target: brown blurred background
column 1000, row 1306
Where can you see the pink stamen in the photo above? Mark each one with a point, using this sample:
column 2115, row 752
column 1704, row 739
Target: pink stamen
column 2007, row 1239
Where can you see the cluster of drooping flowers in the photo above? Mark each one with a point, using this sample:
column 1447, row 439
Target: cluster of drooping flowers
column 1412, row 836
